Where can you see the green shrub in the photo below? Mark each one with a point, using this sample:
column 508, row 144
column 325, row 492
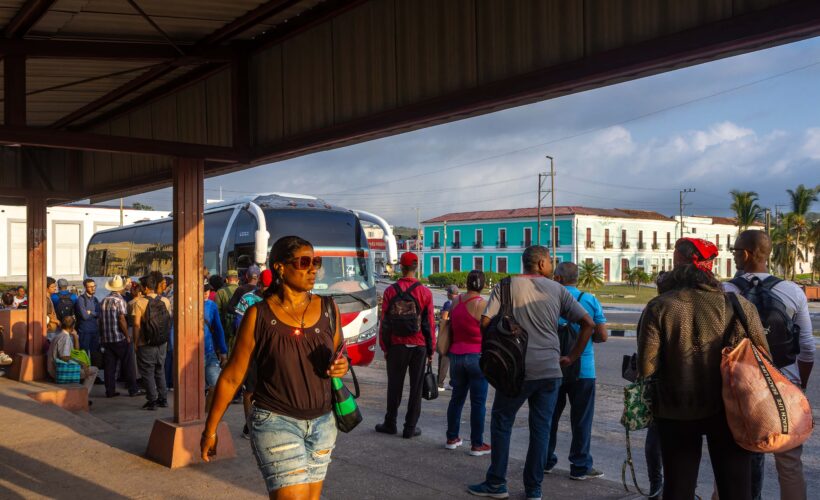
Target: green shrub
column 459, row 279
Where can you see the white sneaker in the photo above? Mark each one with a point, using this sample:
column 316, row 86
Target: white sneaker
column 5, row 359
column 442, row 388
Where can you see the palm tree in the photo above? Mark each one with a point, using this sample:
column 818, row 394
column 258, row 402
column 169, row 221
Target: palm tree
column 590, row 275
column 801, row 201
column 783, row 245
column 636, row 277
column 744, row 203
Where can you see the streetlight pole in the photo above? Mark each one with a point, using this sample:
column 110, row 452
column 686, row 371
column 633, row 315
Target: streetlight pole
column 552, row 195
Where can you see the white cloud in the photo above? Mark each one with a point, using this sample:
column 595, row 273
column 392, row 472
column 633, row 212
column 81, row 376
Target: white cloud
column 811, row 145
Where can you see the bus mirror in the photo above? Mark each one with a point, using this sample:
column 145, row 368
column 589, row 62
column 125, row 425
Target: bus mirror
column 261, row 247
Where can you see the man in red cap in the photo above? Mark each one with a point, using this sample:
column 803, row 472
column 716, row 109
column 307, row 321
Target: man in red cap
column 406, row 336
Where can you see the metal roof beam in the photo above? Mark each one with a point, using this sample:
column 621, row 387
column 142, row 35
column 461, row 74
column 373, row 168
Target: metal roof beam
column 25, row 19
column 104, row 49
column 48, row 138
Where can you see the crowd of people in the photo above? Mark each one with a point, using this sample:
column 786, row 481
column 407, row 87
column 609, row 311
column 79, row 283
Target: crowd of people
column 273, row 345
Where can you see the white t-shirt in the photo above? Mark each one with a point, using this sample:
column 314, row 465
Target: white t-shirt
column 797, row 304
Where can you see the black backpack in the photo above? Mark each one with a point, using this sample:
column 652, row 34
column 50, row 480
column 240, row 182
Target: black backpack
column 155, row 327
column 782, row 333
column 65, row 306
column 567, row 336
column 504, row 347
column 403, row 316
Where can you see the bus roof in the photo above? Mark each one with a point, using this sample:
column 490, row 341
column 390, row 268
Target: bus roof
column 279, row 201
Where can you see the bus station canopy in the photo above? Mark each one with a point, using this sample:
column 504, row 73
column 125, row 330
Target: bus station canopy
column 101, row 95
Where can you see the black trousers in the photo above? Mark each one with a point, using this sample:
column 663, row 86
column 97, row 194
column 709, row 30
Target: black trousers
column 400, row 360
column 681, row 445
column 119, row 351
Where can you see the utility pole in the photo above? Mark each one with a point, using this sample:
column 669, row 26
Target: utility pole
column 682, row 192
column 768, row 219
column 552, row 195
column 538, row 210
column 122, row 216
column 418, row 239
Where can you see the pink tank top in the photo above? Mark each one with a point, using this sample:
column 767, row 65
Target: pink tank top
column 465, row 330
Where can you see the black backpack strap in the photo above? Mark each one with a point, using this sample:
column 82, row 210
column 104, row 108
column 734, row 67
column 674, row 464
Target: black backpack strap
column 739, row 315
column 412, row 287
column 741, row 283
column 330, row 310
column 770, row 282
column 506, row 296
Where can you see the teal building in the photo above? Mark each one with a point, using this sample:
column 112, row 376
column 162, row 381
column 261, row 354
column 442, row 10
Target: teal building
column 492, row 240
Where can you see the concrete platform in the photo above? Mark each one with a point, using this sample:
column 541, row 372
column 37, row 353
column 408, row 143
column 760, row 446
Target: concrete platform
column 48, row 452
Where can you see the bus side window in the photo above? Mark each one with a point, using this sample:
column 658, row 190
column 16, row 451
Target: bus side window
column 216, row 224
column 240, row 245
column 144, row 251
column 164, row 260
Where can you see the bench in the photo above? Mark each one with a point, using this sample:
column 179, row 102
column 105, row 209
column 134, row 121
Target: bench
column 71, row 397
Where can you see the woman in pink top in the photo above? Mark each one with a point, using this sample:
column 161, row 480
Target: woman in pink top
column 465, row 374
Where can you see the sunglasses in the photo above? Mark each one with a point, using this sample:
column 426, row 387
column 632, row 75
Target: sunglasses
column 305, row 261
column 737, row 249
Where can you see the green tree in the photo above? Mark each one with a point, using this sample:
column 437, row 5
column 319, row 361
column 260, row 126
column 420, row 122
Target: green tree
column 141, row 206
column 801, row 200
column 637, row 277
column 783, row 245
column 744, row 204
column 590, row 275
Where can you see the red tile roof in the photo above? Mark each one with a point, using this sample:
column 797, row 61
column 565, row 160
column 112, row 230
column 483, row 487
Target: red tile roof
column 529, row 213
column 729, row 221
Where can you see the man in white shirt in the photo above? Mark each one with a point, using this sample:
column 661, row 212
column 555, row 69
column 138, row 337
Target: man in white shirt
column 751, row 253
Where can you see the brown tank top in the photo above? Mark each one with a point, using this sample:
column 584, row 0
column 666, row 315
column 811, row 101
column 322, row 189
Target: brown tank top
column 291, row 367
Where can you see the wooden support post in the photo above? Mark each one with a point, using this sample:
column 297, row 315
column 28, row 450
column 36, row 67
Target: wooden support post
column 31, row 365
column 175, row 443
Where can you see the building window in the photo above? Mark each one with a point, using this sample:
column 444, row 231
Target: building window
column 728, row 241
column 502, row 238
column 17, row 249
column 436, row 261
column 556, row 235
column 478, row 263
column 717, row 241
column 655, row 245
column 640, row 241
column 457, row 238
column 669, row 241
column 436, row 240
column 456, row 264
column 501, row 265
column 479, row 238
column 527, row 237
column 624, row 242
column 694, row 230
column 606, row 270
column 607, row 241
column 589, row 243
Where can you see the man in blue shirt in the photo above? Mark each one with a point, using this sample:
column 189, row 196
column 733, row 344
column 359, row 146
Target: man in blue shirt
column 580, row 391
column 87, row 310
column 216, row 350
column 64, row 301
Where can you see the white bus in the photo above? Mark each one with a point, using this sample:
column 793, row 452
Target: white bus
column 240, row 233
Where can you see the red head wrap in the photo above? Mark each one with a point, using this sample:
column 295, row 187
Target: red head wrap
column 704, row 255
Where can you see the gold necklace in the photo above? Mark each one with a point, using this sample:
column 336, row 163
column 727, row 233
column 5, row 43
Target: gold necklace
column 297, row 331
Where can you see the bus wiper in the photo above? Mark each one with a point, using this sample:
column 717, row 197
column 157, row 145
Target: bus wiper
column 366, row 303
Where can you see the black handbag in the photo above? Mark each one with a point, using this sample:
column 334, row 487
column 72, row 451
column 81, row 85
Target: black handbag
column 429, row 389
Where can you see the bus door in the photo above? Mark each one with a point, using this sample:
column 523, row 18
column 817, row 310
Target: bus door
column 239, row 248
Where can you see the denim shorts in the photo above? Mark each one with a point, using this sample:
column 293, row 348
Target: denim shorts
column 288, row 450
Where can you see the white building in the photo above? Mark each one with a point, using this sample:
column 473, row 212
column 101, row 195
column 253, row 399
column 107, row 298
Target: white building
column 70, row 228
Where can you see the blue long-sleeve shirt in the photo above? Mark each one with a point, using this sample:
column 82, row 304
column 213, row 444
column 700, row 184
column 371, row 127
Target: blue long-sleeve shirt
column 87, row 322
column 213, row 329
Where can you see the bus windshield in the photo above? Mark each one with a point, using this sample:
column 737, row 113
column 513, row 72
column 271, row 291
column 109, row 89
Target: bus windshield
column 343, row 275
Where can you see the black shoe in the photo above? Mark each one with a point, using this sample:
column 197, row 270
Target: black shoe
column 655, row 490
column 385, row 429
column 246, row 433
column 411, row 432
column 112, row 395
column 162, row 403
column 138, row 392
column 98, row 381
column 150, row 405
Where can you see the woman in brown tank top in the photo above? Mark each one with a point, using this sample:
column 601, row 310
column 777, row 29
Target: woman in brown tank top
column 293, row 430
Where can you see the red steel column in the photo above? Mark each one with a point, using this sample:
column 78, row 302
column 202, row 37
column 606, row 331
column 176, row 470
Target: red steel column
column 189, row 349
column 175, row 442
column 32, row 364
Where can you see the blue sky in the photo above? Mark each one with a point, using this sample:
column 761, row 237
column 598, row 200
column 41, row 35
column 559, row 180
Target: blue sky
column 749, row 122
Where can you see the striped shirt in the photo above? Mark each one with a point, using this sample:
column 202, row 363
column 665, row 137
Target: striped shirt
column 111, row 308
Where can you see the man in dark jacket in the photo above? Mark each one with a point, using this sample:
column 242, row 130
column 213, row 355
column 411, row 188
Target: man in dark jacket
column 87, row 310
column 407, row 352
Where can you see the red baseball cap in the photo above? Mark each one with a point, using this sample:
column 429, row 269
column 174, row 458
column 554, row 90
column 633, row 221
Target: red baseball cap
column 408, row 259
column 266, row 277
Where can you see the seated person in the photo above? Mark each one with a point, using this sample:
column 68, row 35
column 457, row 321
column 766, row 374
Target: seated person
column 63, row 342
column 5, row 359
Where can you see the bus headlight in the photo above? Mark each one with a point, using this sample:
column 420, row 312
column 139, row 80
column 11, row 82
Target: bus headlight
column 365, row 335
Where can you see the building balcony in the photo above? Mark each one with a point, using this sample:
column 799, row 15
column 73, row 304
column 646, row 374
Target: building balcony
column 641, row 245
column 608, row 245
column 456, row 245
column 670, row 246
column 589, row 245
column 624, row 245
column 656, row 246
column 478, row 244
column 502, row 244
column 435, row 246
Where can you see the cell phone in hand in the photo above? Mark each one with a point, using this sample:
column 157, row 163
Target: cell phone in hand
column 339, row 351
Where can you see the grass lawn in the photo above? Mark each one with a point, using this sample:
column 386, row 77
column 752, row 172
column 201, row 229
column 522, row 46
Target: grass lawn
column 623, row 294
